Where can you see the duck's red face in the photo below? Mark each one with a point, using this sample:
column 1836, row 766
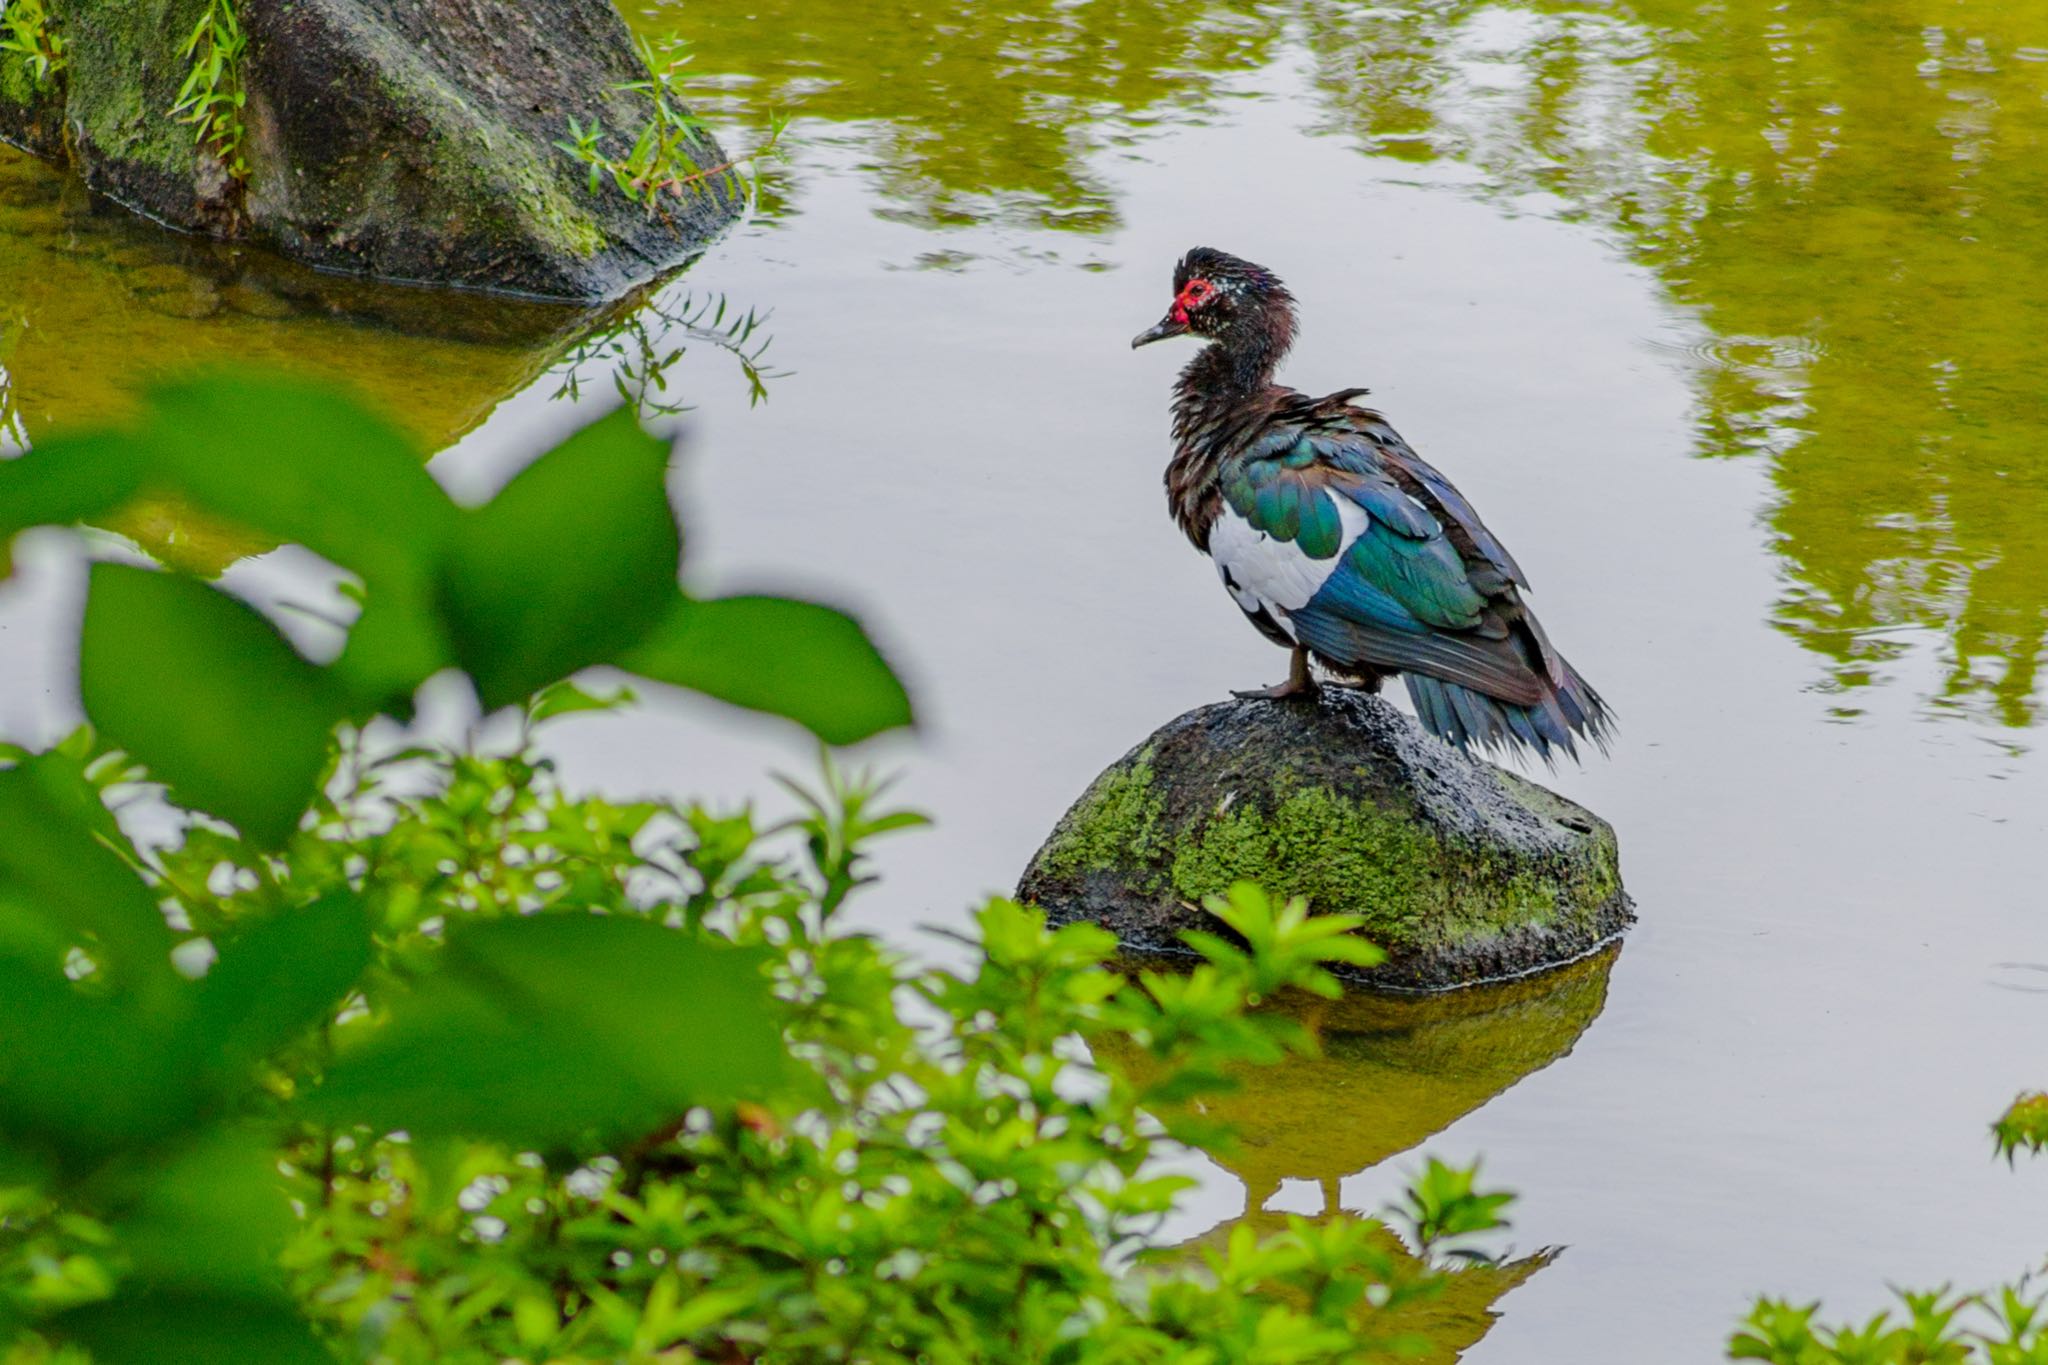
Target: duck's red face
column 1194, row 295
column 1194, row 306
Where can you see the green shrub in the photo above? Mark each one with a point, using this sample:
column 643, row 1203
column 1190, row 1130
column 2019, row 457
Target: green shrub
column 2008, row 1326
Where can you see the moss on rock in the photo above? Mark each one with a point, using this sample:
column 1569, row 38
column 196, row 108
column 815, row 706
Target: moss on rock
column 1117, row 818
column 1462, row 871
column 1346, row 856
column 122, row 75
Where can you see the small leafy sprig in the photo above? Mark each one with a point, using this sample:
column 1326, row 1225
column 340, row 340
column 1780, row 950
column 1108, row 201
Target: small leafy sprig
column 664, row 157
column 1938, row 1327
column 212, row 98
column 2023, row 1124
column 28, row 30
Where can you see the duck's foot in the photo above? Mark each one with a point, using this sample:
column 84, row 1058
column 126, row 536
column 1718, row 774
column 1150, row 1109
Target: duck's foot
column 1299, row 683
column 1279, row 691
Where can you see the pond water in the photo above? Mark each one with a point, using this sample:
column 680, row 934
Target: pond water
column 1728, row 316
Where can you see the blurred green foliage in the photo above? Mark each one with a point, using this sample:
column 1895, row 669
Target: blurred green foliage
column 394, row 1053
column 516, row 593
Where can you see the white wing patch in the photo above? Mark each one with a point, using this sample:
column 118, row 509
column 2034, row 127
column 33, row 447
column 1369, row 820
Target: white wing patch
column 1274, row 575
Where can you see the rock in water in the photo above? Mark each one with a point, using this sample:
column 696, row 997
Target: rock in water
column 1463, row 872
column 408, row 139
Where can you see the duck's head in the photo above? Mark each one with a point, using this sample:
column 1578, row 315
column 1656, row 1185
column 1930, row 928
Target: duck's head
column 1224, row 298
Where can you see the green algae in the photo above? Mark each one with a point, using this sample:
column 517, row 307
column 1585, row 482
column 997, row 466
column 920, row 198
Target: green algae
column 1117, row 821
column 123, row 80
column 1345, row 856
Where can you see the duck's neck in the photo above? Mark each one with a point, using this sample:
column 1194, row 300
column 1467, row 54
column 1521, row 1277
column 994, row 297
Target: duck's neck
column 1219, row 400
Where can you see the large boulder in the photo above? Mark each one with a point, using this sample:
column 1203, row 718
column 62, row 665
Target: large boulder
column 408, row 139
column 1463, row 872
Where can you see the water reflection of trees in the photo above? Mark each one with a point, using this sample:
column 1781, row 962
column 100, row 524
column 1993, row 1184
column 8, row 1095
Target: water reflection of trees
column 99, row 306
column 983, row 112
column 1852, row 199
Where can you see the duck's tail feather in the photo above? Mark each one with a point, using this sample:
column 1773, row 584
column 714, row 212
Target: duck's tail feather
column 1569, row 710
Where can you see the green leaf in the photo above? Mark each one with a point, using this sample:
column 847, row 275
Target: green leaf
column 298, row 461
column 204, row 692
column 82, row 1075
column 209, row 1218
column 809, row 663
column 193, row 1329
column 62, row 882
column 66, row 479
column 570, row 565
column 284, row 458
column 538, row 1030
column 275, row 981
column 566, row 698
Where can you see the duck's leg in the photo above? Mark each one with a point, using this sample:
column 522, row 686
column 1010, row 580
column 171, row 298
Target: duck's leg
column 1298, row 684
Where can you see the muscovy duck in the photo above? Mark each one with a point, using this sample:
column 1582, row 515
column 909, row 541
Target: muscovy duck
column 1340, row 543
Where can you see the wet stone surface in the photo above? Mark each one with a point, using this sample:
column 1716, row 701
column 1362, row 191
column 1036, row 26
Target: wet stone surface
column 1462, row 871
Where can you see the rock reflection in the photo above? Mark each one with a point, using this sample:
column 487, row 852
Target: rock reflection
column 1394, row 1071
column 99, row 304
column 102, row 304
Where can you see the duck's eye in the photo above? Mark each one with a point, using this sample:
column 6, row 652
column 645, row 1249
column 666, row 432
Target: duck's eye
column 1192, row 295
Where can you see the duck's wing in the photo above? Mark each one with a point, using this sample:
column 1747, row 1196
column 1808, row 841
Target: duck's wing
column 1317, row 528
column 1420, row 478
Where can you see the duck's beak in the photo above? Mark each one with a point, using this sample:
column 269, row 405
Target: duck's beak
column 1166, row 327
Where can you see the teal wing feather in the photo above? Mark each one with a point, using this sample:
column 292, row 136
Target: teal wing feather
column 1403, row 596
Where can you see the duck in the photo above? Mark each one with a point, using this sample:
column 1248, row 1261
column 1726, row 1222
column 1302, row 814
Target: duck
column 1342, row 545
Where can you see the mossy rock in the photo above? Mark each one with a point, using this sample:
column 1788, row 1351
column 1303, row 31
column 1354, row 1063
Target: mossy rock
column 1462, row 871
column 411, row 140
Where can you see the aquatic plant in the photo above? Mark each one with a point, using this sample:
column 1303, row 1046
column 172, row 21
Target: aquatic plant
column 644, row 346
